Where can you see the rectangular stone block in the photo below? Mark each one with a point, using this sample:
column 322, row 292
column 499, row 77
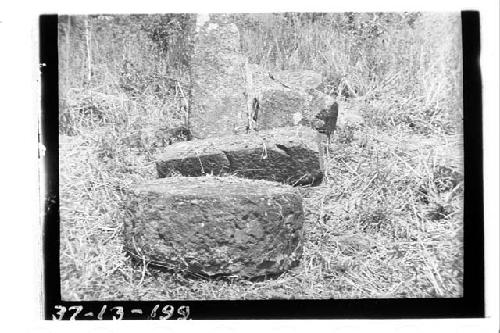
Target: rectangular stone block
column 215, row 226
column 286, row 98
column 281, row 107
column 218, row 91
column 286, row 155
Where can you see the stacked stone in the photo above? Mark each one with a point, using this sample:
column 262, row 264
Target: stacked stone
column 225, row 204
column 287, row 155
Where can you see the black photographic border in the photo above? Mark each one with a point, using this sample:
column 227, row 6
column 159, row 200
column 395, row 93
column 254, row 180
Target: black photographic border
column 471, row 305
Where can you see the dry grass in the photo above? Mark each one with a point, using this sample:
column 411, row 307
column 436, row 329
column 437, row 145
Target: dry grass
column 386, row 223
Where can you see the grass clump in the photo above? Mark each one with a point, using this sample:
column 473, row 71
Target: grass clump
column 387, row 221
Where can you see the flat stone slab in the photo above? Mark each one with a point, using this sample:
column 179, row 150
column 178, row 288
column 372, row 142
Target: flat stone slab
column 286, row 155
column 215, row 226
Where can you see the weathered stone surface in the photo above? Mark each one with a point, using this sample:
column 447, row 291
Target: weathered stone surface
column 280, row 108
column 278, row 104
column 218, row 95
column 214, row 226
column 193, row 158
column 303, row 79
column 232, row 96
column 298, row 80
column 319, row 101
column 286, row 98
column 287, row 155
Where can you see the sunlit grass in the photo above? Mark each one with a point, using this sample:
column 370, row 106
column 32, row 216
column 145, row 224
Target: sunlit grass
column 387, row 220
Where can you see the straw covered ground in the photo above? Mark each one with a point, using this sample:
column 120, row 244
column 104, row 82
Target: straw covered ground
column 386, row 223
column 387, row 220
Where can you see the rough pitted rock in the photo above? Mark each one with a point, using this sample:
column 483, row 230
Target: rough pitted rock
column 214, row 226
column 277, row 102
column 279, row 108
column 303, row 79
column 299, row 80
column 218, row 100
column 285, row 98
column 319, row 101
column 287, row 155
column 231, row 96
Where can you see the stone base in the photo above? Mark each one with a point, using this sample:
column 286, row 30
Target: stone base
column 212, row 226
